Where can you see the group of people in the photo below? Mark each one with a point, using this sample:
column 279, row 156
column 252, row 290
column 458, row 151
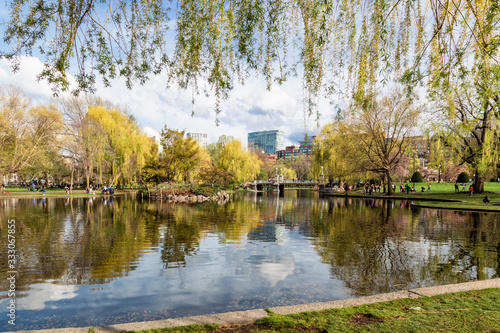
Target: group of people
column 406, row 188
column 371, row 189
column 471, row 189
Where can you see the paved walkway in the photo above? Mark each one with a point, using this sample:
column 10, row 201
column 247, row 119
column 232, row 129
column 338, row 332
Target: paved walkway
column 248, row 317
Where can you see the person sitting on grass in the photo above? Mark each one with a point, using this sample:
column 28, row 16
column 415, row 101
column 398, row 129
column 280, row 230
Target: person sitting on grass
column 486, row 200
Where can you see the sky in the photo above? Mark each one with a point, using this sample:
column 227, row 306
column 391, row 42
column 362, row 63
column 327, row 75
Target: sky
column 249, row 108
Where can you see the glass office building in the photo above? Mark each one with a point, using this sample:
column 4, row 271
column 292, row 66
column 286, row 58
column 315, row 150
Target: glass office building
column 268, row 141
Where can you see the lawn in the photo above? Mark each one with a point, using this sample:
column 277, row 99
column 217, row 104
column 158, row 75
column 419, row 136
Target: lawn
column 474, row 311
column 18, row 192
column 444, row 195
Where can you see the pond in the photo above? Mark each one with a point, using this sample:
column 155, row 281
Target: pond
column 94, row 261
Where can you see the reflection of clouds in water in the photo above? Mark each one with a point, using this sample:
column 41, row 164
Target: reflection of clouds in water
column 274, row 272
column 41, row 293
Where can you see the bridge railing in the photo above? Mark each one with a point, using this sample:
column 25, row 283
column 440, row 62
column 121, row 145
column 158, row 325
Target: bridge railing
column 286, row 181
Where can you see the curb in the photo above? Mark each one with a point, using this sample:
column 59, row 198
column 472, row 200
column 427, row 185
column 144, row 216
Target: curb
column 248, row 317
column 484, row 210
column 388, row 197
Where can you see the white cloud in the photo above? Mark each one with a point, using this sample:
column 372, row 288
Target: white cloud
column 250, row 107
column 41, row 293
column 25, row 78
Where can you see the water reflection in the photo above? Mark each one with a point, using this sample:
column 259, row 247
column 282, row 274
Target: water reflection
column 157, row 260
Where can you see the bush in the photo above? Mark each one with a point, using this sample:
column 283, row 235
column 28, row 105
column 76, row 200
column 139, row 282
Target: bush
column 463, row 178
column 205, row 190
column 417, row 177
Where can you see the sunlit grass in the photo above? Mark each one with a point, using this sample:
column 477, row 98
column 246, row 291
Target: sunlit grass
column 474, row 311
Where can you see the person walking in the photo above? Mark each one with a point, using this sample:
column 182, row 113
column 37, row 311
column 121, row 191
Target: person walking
column 456, row 187
column 471, row 190
column 429, row 187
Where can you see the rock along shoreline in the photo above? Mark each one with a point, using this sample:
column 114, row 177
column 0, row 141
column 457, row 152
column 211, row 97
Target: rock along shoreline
column 220, row 197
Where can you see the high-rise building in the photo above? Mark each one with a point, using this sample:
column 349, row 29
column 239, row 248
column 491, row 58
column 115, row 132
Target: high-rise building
column 268, row 141
column 202, row 138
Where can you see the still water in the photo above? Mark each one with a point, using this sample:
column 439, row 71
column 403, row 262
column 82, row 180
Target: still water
column 97, row 262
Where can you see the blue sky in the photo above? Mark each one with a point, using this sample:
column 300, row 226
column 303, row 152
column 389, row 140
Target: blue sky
column 250, row 107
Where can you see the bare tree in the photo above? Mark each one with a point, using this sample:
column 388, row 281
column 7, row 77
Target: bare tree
column 382, row 128
column 26, row 132
column 84, row 138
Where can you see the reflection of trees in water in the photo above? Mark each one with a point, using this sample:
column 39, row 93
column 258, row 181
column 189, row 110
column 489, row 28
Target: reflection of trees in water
column 75, row 241
column 382, row 249
column 374, row 246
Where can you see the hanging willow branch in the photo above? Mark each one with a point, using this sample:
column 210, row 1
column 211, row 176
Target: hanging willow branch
column 345, row 48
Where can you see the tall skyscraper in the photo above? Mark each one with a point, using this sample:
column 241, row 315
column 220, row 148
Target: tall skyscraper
column 202, row 138
column 268, row 141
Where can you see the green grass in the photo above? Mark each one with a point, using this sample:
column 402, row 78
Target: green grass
column 442, row 193
column 22, row 192
column 474, row 311
column 448, row 188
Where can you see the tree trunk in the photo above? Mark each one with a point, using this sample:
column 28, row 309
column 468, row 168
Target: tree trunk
column 389, row 182
column 71, row 183
column 478, row 182
column 87, row 176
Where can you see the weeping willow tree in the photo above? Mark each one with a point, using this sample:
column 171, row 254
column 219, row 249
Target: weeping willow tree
column 344, row 50
column 335, row 154
column 341, row 48
column 464, row 83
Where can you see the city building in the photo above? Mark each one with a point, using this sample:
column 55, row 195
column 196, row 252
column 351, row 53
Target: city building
column 288, row 152
column 305, row 150
column 422, row 146
column 202, row 138
column 271, row 158
column 268, row 141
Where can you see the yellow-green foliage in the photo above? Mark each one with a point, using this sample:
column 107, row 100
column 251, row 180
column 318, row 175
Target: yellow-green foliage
column 126, row 145
column 180, row 156
column 333, row 149
column 26, row 132
column 237, row 161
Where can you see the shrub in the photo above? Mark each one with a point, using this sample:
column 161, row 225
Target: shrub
column 417, row 177
column 463, row 178
column 206, row 190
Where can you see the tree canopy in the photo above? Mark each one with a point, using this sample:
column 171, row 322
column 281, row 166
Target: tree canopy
column 342, row 48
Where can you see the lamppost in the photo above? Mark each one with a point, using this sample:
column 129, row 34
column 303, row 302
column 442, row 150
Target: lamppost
column 413, row 176
column 439, row 174
column 277, row 181
column 282, row 180
column 322, row 178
